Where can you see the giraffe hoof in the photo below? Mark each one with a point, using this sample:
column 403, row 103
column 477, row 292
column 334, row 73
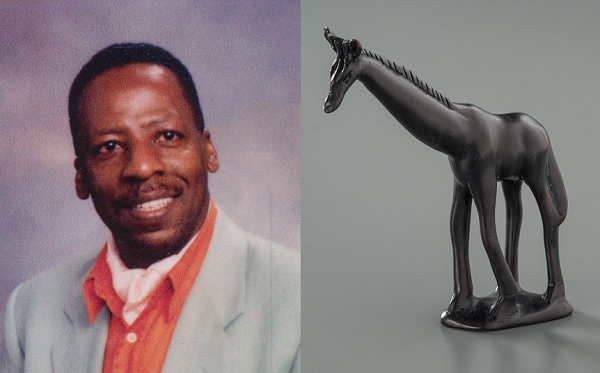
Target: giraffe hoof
column 493, row 313
column 469, row 314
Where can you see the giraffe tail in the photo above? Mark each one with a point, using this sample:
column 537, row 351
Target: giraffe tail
column 556, row 186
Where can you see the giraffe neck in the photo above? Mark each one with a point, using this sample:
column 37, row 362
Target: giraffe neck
column 423, row 111
column 408, row 75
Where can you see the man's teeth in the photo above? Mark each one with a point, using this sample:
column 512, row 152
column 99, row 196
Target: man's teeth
column 152, row 205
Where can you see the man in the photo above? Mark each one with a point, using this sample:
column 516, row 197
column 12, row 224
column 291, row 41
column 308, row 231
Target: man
column 178, row 287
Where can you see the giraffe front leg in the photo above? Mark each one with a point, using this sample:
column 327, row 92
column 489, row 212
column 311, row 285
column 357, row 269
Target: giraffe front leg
column 464, row 306
column 505, row 306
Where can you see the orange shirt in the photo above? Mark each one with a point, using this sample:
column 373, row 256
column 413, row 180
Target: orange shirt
column 143, row 346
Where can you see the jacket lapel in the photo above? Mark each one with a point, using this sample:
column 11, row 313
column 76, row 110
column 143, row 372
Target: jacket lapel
column 81, row 346
column 201, row 341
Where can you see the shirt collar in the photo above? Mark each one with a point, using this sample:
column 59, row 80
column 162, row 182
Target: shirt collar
column 98, row 289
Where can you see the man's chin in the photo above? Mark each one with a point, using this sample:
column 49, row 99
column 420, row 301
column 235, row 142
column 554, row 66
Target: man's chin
column 150, row 245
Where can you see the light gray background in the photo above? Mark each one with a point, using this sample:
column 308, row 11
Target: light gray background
column 377, row 260
column 245, row 59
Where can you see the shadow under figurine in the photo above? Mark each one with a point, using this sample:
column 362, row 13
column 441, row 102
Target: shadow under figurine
column 483, row 148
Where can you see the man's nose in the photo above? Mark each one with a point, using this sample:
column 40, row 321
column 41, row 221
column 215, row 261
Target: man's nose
column 143, row 161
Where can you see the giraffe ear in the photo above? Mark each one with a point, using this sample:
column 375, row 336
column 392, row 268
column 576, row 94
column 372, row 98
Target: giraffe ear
column 355, row 48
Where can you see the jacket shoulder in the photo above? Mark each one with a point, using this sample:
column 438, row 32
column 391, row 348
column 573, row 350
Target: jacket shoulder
column 55, row 283
column 35, row 313
column 282, row 263
column 42, row 299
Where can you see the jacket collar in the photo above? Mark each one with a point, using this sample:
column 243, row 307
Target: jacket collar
column 200, row 339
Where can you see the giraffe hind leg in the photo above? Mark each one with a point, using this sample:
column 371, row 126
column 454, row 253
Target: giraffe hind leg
column 514, row 216
column 535, row 308
column 551, row 220
column 548, row 190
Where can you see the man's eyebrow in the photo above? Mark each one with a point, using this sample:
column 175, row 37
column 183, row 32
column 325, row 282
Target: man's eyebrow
column 151, row 122
column 107, row 132
column 155, row 121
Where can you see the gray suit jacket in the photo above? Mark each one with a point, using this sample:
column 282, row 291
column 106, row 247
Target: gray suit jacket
column 242, row 314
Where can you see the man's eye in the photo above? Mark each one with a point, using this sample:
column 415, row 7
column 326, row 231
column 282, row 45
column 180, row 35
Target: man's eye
column 169, row 136
column 107, row 147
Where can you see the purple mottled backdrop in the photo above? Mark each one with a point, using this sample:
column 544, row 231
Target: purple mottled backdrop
column 245, row 58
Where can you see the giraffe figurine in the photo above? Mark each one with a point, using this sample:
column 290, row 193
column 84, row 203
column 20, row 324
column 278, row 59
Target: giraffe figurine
column 482, row 148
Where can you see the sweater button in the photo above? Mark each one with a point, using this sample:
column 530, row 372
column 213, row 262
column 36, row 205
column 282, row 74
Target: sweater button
column 131, row 337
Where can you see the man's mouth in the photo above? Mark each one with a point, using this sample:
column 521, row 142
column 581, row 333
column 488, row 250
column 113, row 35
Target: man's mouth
column 153, row 205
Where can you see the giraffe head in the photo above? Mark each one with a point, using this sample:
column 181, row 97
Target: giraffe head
column 344, row 70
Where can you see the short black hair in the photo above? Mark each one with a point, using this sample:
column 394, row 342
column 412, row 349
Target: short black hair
column 119, row 55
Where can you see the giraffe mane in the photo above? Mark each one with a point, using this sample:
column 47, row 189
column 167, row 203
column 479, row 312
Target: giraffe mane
column 407, row 74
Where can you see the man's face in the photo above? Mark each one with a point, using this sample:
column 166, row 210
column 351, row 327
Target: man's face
column 144, row 161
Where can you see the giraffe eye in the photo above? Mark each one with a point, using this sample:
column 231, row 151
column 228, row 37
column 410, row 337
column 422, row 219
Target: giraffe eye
column 347, row 77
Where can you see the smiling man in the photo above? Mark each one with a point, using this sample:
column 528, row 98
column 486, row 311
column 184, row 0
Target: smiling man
column 177, row 287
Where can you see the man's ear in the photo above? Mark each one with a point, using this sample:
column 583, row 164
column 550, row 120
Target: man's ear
column 212, row 161
column 81, row 184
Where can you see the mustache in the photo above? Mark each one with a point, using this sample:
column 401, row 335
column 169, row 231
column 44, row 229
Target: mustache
column 149, row 190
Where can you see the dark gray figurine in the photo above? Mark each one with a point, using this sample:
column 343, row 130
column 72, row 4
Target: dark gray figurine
column 483, row 148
